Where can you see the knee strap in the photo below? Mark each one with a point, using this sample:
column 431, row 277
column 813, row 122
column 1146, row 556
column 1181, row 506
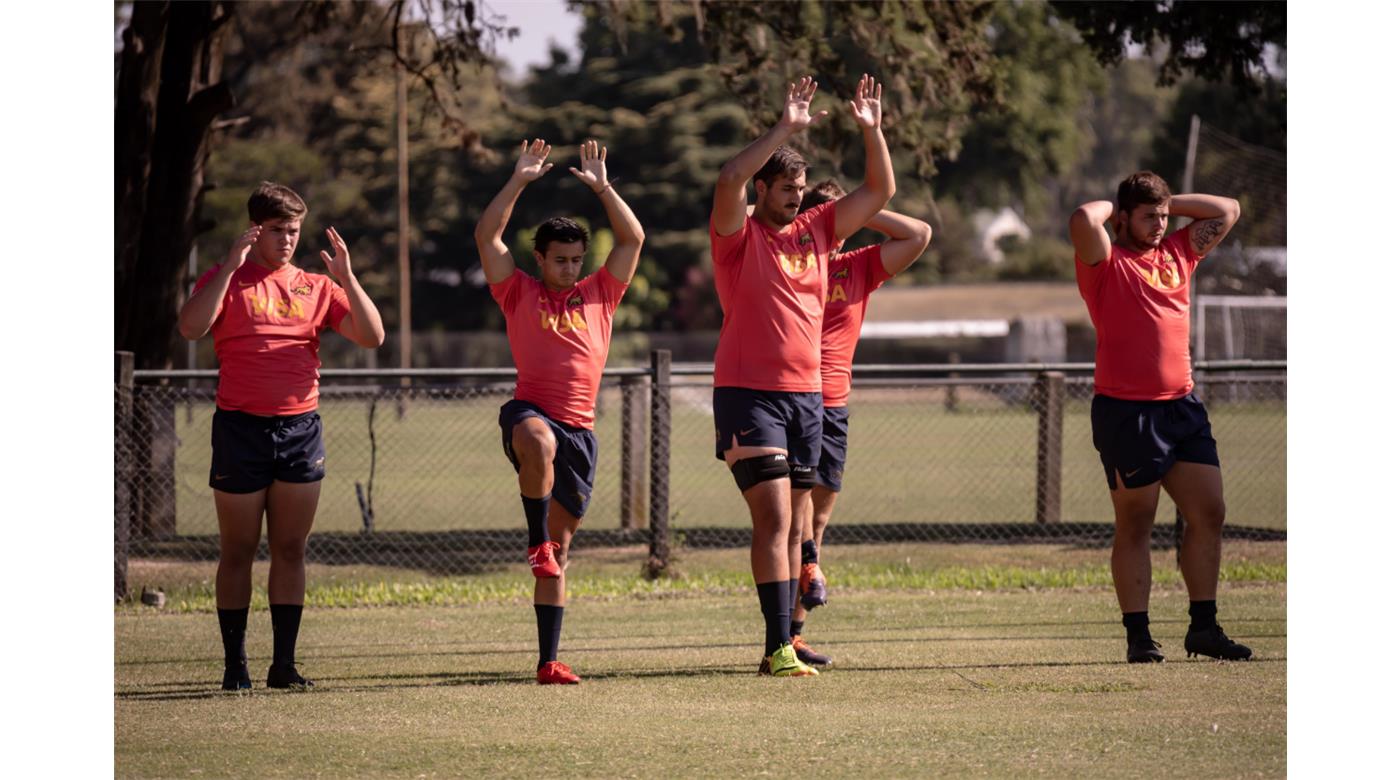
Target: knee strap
column 760, row 468
column 804, row 477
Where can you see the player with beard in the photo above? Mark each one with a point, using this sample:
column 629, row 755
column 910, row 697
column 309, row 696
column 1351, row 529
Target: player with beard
column 1150, row 428
column 771, row 276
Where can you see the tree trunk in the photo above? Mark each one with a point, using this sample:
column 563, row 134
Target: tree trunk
column 168, row 94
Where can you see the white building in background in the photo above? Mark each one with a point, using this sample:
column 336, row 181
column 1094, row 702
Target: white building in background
column 992, row 226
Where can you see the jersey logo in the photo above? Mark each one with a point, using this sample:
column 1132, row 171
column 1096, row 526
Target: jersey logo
column 304, row 289
column 805, row 239
column 577, row 300
column 796, row 265
column 842, row 274
column 838, row 293
column 277, row 308
column 1163, row 277
column 564, row 322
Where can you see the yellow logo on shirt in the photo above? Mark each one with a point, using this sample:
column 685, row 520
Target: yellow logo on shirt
column 838, row 293
column 304, row 289
column 563, row 323
column 796, row 265
column 1162, row 277
column 277, row 308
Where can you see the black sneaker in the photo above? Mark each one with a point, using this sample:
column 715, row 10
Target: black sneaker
column 236, row 678
column 1143, row 650
column 285, row 676
column 1213, row 642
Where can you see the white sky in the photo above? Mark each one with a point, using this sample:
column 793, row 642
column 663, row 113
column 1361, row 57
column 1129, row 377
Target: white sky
column 540, row 21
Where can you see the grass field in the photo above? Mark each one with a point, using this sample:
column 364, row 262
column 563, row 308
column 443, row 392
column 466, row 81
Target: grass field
column 951, row 660
column 440, row 466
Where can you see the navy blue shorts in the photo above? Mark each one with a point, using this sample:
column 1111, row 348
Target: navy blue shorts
column 835, row 424
column 250, row 451
column 1142, row 440
column 575, row 454
column 769, row 418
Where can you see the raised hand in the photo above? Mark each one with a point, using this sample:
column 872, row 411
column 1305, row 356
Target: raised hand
column 866, row 107
column 593, row 158
column 238, row 254
column 798, row 105
column 339, row 265
column 531, row 164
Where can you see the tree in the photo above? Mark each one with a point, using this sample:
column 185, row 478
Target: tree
column 172, row 89
column 1216, row 41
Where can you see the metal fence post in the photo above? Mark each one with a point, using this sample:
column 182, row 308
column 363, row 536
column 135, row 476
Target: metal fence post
column 125, row 382
column 1050, row 395
column 659, row 557
column 634, row 405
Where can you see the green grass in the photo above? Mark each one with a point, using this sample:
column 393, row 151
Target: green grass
column 440, row 466
column 1004, row 681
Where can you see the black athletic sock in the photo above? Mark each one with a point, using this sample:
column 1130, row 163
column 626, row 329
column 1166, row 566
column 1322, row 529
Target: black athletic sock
column 286, row 621
column 809, row 551
column 549, row 619
column 233, row 626
column 1202, row 615
column 1136, row 623
column 796, row 629
column 776, row 602
column 536, row 519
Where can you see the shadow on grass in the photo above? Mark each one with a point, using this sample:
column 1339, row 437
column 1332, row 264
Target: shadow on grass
column 189, row 691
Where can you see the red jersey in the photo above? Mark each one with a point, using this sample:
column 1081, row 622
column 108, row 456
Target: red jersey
column 268, row 335
column 852, row 277
column 559, row 341
column 772, row 287
column 1140, row 305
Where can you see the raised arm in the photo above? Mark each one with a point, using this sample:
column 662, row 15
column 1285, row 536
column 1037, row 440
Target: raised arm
column 1092, row 243
column 363, row 324
column 856, row 209
column 627, row 231
column 198, row 314
column 1214, row 217
column 909, row 238
column 495, row 255
column 731, row 190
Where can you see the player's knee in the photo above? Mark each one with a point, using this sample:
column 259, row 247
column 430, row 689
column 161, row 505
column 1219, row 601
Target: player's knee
column 804, row 477
column 534, row 443
column 1210, row 517
column 238, row 555
column 1134, row 524
column 290, row 551
column 758, row 469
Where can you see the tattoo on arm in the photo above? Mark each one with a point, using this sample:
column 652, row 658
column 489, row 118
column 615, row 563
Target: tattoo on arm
column 1206, row 234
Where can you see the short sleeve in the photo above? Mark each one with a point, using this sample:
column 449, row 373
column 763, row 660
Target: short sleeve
column 608, row 288
column 507, row 292
column 1179, row 243
column 204, row 279
column 729, row 249
column 1090, row 277
column 338, row 308
column 875, row 273
column 822, row 221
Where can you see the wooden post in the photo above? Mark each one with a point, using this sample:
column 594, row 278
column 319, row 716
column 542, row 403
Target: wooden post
column 125, row 372
column 950, row 393
column 1050, row 394
column 659, row 558
column 634, row 450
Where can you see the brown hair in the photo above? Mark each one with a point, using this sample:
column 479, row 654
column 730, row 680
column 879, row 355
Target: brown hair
column 823, row 191
column 785, row 161
column 274, row 201
column 1143, row 187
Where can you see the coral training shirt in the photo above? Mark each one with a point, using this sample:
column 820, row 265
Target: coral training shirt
column 851, row 278
column 772, row 287
column 559, row 341
column 1140, row 305
column 268, row 335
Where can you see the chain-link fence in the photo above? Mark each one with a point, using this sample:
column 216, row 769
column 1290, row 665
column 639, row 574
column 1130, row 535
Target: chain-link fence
column 416, row 475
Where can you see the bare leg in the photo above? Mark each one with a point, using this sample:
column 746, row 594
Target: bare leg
column 291, row 509
column 1134, row 509
column 534, row 446
column 562, row 527
column 240, row 529
column 1199, row 493
column 822, row 504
